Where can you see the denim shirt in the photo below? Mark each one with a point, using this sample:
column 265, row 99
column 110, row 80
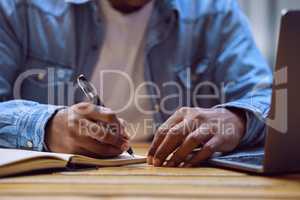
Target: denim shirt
column 205, row 46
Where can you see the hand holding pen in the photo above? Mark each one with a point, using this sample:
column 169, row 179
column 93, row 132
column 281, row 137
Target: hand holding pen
column 91, row 94
column 75, row 130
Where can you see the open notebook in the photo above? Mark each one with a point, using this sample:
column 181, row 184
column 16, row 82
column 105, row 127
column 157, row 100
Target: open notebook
column 14, row 161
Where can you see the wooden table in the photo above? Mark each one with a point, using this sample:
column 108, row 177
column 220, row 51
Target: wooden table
column 146, row 182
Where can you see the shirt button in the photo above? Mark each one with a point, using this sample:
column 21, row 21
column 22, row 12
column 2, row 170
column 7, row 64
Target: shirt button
column 41, row 76
column 157, row 108
column 29, row 144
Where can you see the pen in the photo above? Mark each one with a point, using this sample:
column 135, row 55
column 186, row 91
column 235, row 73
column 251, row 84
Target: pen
column 91, row 94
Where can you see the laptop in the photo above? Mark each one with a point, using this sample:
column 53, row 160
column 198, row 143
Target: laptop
column 281, row 151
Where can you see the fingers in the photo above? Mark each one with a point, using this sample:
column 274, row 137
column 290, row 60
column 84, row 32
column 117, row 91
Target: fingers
column 123, row 128
column 92, row 148
column 103, row 114
column 101, row 124
column 206, row 152
column 172, row 141
column 193, row 141
column 216, row 133
column 160, row 135
column 95, row 113
column 102, row 134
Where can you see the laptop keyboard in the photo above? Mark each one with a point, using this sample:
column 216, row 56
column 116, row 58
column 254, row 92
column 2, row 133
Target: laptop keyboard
column 252, row 160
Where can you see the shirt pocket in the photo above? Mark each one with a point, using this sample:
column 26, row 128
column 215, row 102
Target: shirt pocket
column 45, row 82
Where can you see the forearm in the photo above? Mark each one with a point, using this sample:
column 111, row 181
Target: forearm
column 22, row 124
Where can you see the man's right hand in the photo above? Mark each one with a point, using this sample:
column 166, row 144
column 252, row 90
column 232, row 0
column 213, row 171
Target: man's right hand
column 80, row 130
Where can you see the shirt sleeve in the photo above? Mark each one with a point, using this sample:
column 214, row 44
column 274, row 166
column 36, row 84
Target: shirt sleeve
column 22, row 123
column 243, row 72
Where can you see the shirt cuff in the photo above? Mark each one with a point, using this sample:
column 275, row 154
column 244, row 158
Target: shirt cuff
column 255, row 123
column 31, row 126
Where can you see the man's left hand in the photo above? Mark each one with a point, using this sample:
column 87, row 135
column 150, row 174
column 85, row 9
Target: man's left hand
column 190, row 129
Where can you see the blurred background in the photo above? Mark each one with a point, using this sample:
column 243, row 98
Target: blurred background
column 264, row 17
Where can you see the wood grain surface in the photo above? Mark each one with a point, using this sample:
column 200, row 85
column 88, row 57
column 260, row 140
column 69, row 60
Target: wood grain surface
column 146, row 182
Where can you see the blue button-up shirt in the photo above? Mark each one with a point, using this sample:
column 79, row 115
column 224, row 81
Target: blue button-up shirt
column 204, row 46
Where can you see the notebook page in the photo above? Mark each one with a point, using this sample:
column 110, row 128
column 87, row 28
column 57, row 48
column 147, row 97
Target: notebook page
column 123, row 159
column 9, row 156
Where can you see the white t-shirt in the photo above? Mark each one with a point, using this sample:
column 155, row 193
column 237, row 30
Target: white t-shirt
column 120, row 68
